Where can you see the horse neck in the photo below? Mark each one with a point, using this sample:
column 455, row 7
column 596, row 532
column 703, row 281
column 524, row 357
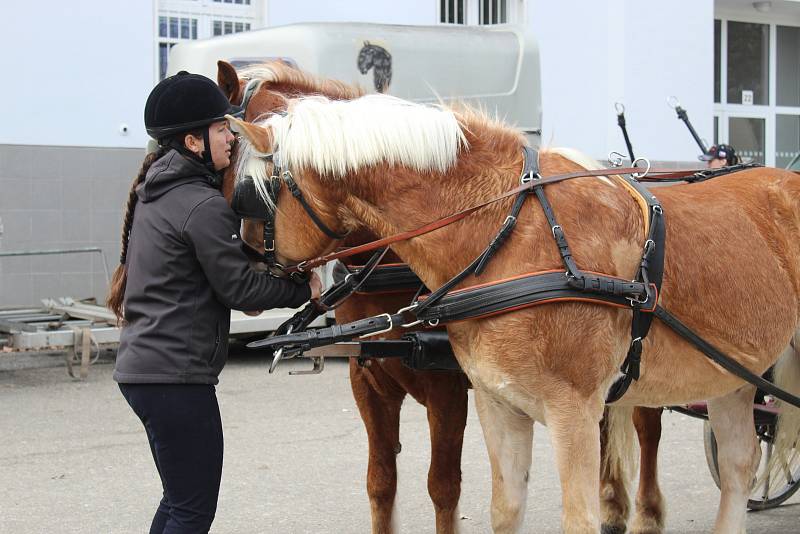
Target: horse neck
column 389, row 200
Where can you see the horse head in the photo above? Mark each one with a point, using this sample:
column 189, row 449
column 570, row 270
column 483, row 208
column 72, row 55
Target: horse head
column 276, row 82
column 302, row 206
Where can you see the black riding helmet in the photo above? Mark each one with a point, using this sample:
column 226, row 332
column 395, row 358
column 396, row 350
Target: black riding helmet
column 182, row 103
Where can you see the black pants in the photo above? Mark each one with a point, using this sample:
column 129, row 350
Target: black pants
column 185, row 432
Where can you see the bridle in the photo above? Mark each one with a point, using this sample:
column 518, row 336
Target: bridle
column 247, row 205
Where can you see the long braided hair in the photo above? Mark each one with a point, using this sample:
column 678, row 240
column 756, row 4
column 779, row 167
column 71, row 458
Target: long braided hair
column 116, row 292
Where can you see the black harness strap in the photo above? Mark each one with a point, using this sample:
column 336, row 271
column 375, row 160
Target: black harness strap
column 332, row 297
column 623, row 127
column 651, row 273
column 723, row 360
column 296, row 193
column 384, row 278
column 519, row 292
column 530, row 169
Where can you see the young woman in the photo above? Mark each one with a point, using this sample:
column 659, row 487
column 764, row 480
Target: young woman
column 181, row 272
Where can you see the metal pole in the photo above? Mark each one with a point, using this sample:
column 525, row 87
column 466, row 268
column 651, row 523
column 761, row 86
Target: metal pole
column 13, row 253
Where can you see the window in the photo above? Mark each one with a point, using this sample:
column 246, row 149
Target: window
column 451, row 11
column 170, row 31
column 228, row 25
column 493, row 12
column 173, row 27
column 757, row 90
column 788, row 66
column 748, row 63
column 163, row 55
column 481, row 12
column 217, row 27
column 185, row 31
column 717, row 57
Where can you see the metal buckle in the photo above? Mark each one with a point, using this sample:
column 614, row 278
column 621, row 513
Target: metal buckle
column 641, row 174
column 270, row 248
column 510, row 218
column 412, row 323
column 553, row 229
column 636, row 301
column 301, row 267
column 387, row 329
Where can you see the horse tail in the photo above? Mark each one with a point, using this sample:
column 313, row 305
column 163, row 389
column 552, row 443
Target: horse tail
column 785, row 453
column 618, row 462
column 119, row 280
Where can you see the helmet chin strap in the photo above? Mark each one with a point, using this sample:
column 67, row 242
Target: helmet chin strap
column 207, row 160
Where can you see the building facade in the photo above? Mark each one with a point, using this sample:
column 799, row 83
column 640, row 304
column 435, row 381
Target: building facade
column 74, row 138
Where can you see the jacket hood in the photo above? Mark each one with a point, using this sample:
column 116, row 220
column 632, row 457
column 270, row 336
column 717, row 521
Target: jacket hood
column 170, row 171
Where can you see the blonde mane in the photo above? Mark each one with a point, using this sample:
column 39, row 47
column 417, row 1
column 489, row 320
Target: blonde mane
column 337, row 137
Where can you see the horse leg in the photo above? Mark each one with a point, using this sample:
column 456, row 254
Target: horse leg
column 447, row 417
column 650, row 510
column 731, row 418
column 617, row 463
column 381, row 416
column 509, row 442
column 574, row 423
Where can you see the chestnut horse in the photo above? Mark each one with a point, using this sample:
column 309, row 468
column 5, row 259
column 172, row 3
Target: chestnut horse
column 732, row 273
column 380, row 387
column 379, row 391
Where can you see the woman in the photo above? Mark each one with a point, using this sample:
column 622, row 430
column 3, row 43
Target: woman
column 181, row 271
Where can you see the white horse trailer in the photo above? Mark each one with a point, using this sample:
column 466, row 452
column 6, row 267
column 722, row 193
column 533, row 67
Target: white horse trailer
column 494, row 67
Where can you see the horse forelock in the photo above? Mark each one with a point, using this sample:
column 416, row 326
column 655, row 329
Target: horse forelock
column 250, row 162
column 338, row 137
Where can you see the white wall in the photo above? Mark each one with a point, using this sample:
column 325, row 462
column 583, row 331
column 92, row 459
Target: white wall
column 421, row 12
column 75, row 71
column 637, row 52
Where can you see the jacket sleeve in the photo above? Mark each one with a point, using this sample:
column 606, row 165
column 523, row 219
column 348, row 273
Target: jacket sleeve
column 212, row 229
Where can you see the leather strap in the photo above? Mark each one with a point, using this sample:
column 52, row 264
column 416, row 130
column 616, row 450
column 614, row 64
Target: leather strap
column 723, row 360
column 450, row 219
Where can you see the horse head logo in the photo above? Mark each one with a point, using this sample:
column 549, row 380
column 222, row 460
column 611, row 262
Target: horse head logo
column 377, row 57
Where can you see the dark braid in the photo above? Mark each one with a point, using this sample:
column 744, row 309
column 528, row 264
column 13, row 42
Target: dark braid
column 116, row 292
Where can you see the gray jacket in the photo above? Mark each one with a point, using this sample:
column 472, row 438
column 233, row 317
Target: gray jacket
column 186, row 271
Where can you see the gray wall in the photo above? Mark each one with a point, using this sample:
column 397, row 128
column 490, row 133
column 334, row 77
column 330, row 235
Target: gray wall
column 61, row 197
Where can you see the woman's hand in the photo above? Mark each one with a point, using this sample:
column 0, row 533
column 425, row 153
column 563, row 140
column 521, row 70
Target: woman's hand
column 316, row 286
column 254, row 313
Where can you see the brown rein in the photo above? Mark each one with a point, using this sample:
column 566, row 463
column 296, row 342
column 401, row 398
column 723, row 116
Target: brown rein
column 664, row 174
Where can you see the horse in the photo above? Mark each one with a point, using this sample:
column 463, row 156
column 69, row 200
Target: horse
column 731, row 273
column 373, row 390
column 379, row 388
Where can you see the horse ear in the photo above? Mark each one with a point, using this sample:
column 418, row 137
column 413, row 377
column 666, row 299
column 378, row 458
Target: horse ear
column 228, row 81
column 259, row 137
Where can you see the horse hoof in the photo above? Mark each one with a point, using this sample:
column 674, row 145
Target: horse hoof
column 613, row 529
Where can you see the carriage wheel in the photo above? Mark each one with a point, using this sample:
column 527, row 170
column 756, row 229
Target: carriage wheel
column 772, row 491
